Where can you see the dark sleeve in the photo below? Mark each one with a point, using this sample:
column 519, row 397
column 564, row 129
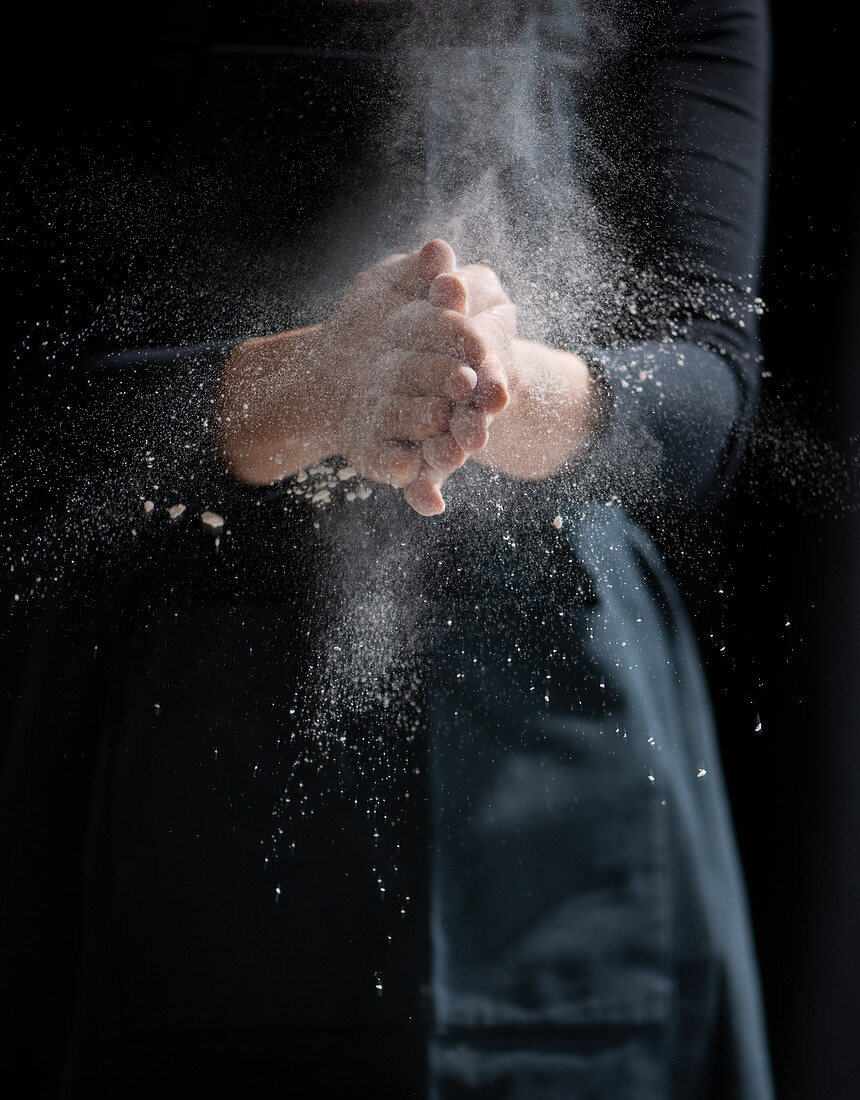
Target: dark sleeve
column 676, row 133
column 136, row 426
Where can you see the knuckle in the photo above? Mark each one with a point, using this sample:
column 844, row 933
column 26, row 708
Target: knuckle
column 391, row 362
column 487, row 277
column 419, row 309
column 501, row 319
column 437, row 412
column 465, row 328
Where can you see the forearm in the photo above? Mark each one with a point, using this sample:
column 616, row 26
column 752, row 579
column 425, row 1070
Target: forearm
column 274, row 418
column 551, row 416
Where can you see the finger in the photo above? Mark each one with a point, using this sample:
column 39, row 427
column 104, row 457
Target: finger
column 428, row 372
column 413, row 272
column 483, row 288
column 491, row 393
column 447, row 291
column 497, row 324
column 443, row 454
column 392, row 463
column 435, row 257
column 413, row 418
column 422, row 327
column 469, row 428
column 423, row 495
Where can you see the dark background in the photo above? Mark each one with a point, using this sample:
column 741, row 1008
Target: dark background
column 95, row 102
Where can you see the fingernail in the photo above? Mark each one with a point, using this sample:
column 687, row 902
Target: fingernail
column 463, row 383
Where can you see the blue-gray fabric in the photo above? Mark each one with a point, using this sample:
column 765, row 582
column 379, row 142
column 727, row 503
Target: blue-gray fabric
column 584, row 877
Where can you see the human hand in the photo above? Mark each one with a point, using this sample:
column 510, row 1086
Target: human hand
column 409, row 362
column 473, row 291
column 413, row 365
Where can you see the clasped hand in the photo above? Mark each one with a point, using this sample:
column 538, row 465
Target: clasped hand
column 405, row 380
column 419, row 351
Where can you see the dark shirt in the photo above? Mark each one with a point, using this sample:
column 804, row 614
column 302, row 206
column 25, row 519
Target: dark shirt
column 671, row 143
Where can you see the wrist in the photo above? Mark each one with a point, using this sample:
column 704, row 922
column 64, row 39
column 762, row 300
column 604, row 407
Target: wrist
column 275, row 413
column 551, row 416
column 601, row 399
column 316, row 353
column 308, row 387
